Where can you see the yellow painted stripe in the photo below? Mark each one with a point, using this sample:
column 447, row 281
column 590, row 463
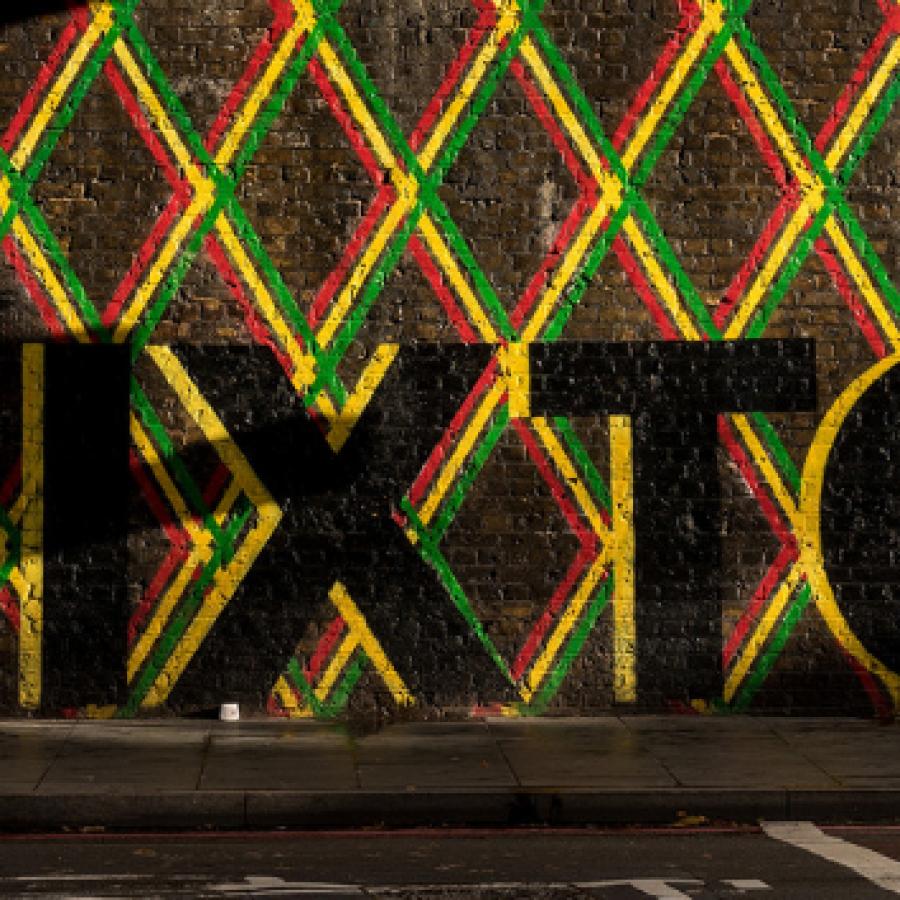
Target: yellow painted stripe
column 332, row 672
column 63, row 306
column 566, row 623
column 214, row 431
column 861, row 277
column 199, row 556
column 201, row 184
column 443, row 256
column 162, row 613
column 566, row 116
column 860, row 113
column 505, row 25
column 622, row 491
column 356, row 105
column 662, row 284
column 155, row 276
column 764, row 463
column 285, row 694
column 357, row 624
column 515, row 368
column 372, row 375
column 186, row 519
column 712, row 23
column 809, row 181
column 304, row 364
column 577, row 249
column 761, row 633
column 763, row 281
column 811, row 559
column 341, row 306
column 571, row 477
column 100, row 23
column 228, row 578
column 31, row 565
column 304, row 22
column 461, row 451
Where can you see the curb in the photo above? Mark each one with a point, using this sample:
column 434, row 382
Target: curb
column 362, row 809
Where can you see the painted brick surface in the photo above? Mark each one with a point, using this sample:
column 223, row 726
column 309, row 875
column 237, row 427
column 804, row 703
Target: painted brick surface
column 405, row 358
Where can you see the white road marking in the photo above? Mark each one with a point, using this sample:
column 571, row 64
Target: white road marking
column 658, row 888
column 747, row 884
column 880, row 870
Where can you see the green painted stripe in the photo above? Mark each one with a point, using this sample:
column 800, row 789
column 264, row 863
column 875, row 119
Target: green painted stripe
column 872, row 127
column 795, row 262
column 341, row 694
column 582, row 280
column 779, row 452
column 835, row 199
column 432, row 555
column 476, row 464
column 764, row 665
column 298, row 679
column 168, row 453
column 184, row 615
column 573, row 648
column 225, row 196
column 588, row 469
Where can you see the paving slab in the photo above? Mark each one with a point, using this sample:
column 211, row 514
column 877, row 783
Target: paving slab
column 495, row 772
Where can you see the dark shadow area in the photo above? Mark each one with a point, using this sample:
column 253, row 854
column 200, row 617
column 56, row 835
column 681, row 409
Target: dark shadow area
column 12, row 12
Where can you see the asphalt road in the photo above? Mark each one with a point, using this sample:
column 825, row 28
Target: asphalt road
column 787, row 860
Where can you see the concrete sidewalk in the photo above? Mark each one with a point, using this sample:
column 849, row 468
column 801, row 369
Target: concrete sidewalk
column 613, row 770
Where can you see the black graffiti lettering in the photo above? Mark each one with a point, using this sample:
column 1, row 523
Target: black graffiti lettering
column 860, row 518
column 80, row 402
column 674, row 393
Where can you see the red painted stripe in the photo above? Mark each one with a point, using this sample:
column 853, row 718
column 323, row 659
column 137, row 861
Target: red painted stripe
column 44, row 307
column 174, row 558
column 260, row 57
column 324, row 648
column 45, row 75
column 144, row 129
column 385, row 196
column 587, row 537
column 216, row 485
column 344, row 119
column 688, row 24
column 486, row 20
column 884, row 709
column 765, row 502
column 735, row 290
column 583, row 558
column 754, row 126
column 177, row 535
column 586, row 184
column 770, row 581
column 434, row 277
column 11, row 482
column 563, row 238
column 433, row 463
column 642, row 287
column 143, row 257
column 842, row 106
column 255, row 324
column 10, row 608
column 850, row 297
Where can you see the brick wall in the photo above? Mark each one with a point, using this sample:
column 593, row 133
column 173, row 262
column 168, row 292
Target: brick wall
column 520, row 357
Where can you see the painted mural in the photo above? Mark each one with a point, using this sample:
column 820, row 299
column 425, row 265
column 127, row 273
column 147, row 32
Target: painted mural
column 276, row 519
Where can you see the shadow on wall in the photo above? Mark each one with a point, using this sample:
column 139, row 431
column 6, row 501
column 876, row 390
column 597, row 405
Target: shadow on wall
column 31, row 9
